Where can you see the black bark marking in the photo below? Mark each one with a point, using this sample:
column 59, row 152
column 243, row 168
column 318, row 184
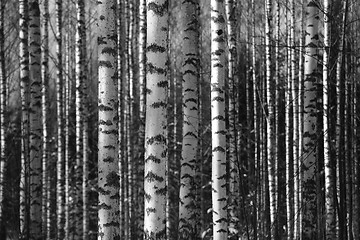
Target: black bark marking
column 158, row 9
column 113, row 180
column 153, row 69
column 151, row 177
column 157, row 139
column 153, row 158
column 219, row 149
column 155, row 48
column 106, row 64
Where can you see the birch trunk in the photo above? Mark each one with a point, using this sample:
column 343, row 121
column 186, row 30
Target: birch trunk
column 156, row 120
column 329, row 164
column 309, row 164
column 35, row 119
column 108, row 168
column 45, row 146
column 218, row 129
column 67, row 124
column 2, row 114
column 270, row 118
column 190, row 74
column 142, row 105
column 80, row 63
column 25, row 99
column 233, row 160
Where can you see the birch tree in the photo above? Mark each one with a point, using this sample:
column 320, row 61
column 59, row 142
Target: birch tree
column 190, row 75
column 108, row 168
column 2, row 112
column 24, row 94
column 218, row 129
column 270, row 118
column 156, row 119
column 35, row 119
column 233, row 153
column 329, row 165
column 311, row 72
column 45, row 147
column 59, row 108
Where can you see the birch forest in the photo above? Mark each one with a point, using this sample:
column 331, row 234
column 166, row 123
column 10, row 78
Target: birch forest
column 179, row 120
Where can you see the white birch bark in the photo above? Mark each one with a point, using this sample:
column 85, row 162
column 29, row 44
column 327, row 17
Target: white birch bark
column 218, row 129
column 45, row 146
column 309, row 196
column 35, row 119
column 230, row 8
column 190, row 76
column 156, row 120
column 24, row 93
column 108, row 168
column 270, row 126
column 329, row 165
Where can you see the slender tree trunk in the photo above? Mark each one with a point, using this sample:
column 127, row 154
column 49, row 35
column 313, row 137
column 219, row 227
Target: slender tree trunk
column 298, row 160
column 25, row 94
column 309, row 195
column 270, row 127
column 329, row 165
column 108, row 168
column 190, row 76
column 2, row 114
column 35, row 119
column 59, row 103
column 80, row 64
column 142, row 105
column 233, row 161
column 218, row 129
column 67, row 124
column 156, row 120
column 45, row 147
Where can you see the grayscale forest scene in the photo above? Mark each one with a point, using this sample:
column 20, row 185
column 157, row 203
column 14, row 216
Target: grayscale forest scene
column 179, row 120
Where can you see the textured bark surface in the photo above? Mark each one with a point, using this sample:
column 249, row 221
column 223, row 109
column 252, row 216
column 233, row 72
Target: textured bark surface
column 45, row 204
column 230, row 7
column 190, row 75
column 311, row 72
column 329, row 165
column 59, row 114
column 218, row 129
column 270, row 118
column 108, row 168
column 35, row 119
column 156, row 120
column 24, row 93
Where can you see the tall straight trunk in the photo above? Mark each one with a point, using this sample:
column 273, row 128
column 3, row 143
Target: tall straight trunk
column 270, row 118
column 233, row 160
column 142, row 105
column 156, row 120
column 85, row 123
column 2, row 113
column 25, row 98
column 80, row 63
column 59, row 107
column 190, row 76
column 35, row 119
column 329, row 164
column 67, row 124
column 298, row 160
column 218, row 129
column 45, row 146
column 108, row 168
column 121, row 28
column 309, row 164
column 340, row 92
column 257, row 202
